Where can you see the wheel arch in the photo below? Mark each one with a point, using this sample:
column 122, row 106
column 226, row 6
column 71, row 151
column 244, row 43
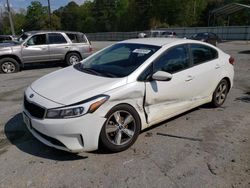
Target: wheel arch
column 13, row 57
column 228, row 81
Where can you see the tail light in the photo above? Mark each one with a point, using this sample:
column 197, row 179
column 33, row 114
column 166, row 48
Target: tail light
column 231, row 60
column 90, row 49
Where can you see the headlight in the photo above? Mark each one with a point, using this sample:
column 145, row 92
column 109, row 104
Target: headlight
column 78, row 109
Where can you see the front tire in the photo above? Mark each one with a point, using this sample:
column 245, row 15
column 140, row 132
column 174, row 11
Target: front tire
column 121, row 128
column 72, row 58
column 9, row 65
column 220, row 93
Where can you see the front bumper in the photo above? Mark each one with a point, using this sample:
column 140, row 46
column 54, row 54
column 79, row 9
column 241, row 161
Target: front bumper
column 73, row 135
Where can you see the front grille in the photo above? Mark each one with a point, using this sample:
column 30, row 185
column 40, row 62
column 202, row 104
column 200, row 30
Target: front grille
column 34, row 109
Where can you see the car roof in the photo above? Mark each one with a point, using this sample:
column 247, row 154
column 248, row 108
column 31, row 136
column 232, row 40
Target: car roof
column 154, row 41
column 50, row 31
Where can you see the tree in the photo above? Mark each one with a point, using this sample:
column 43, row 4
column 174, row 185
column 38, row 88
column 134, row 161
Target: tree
column 19, row 21
column 138, row 12
column 104, row 14
column 36, row 16
column 122, row 21
column 70, row 16
column 123, row 15
column 87, row 21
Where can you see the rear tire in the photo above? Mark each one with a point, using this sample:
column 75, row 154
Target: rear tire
column 220, row 93
column 121, row 128
column 9, row 65
column 72, row 58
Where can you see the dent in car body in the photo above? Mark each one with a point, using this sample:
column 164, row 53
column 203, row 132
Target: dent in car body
column 131, row 94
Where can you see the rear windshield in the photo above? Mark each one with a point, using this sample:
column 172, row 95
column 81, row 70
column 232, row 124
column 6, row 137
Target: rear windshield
column 119, row 60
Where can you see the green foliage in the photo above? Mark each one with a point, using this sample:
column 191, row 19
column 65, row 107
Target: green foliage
column 35, row 17
column 123, row 15
column 70, row 17
column 19, row 21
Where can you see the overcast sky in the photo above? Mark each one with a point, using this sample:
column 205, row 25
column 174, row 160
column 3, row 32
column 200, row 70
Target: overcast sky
column 24, row 3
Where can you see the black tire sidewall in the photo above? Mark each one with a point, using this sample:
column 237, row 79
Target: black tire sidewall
column 15, row 63
column 214, row 102
column 104, row 142
column 72, row 54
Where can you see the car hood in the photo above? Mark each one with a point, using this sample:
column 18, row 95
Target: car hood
column 69, row 85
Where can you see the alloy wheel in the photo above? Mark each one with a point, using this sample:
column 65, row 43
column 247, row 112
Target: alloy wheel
column 120, row 128
column 221, row 93
column 74, row 60
column 8, row 67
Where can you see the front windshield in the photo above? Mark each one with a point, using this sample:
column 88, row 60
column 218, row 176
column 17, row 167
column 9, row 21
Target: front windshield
column 119, row 60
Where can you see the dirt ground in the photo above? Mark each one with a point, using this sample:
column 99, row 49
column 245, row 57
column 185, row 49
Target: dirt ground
column 205, row 147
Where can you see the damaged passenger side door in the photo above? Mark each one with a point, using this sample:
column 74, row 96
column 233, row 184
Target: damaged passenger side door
column 166, row 98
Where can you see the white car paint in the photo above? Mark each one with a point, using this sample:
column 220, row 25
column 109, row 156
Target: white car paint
column 154, row 101
column 73, row 86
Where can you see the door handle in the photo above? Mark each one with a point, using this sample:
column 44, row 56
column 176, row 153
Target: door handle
column 189, row 78
column 217, row 66
column 66, row 47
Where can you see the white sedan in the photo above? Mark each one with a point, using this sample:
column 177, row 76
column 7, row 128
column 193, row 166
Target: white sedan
column 108, row 98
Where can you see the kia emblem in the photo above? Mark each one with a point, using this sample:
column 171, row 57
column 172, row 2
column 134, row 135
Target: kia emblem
column 32, row 95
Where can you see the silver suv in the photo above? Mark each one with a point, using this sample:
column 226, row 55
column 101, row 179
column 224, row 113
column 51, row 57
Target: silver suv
column 43, row 46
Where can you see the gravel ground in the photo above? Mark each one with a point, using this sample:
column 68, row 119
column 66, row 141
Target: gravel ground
column 202, row 148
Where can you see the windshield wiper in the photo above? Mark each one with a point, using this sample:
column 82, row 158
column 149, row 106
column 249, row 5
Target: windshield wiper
column 91, row 71
column 97, row 72
column 109, row 75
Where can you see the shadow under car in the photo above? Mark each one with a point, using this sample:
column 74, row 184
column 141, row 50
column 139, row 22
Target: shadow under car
column 18, row 135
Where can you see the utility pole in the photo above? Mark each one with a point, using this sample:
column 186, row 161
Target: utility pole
column 10, row 18
column 1, row 18
column 1, row 13
column 194, row 7
column 49, row 11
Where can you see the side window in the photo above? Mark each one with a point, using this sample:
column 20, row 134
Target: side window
column 76, row 38
column 37, row 40
column 81, row 38
column 202, row 53
column 174, row 60
column 56, row 38
column 72, row 37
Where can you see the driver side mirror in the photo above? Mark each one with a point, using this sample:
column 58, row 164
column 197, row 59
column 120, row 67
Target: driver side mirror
column 162, row 76
column 25, row 45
